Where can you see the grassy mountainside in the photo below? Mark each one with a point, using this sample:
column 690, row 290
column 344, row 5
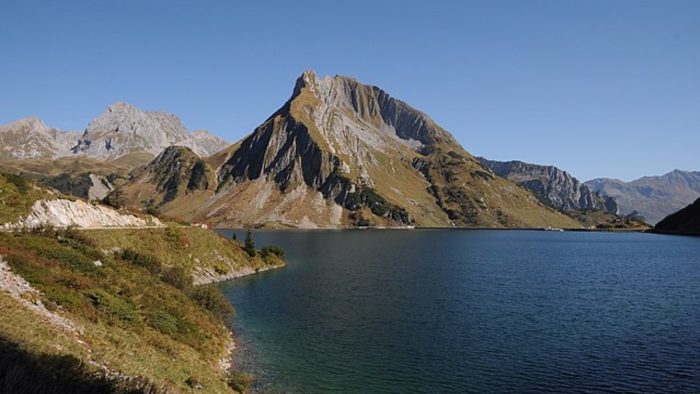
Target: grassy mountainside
column 72, row 175
column 685, row 221
column 177, row 173
column 117, row 310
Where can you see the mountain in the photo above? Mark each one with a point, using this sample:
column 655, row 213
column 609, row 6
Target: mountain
column 340, row 153
column 654, row 197
column 552, row 186
column 121, row 133
column 124, row 129
column 685, row 221
column 175, row 173
column 30, row 138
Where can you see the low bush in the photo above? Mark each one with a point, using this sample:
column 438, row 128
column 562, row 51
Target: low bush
column 176, row 276
column 211, row 299
column 147, row 261
column 239, row 381
column 117, row 309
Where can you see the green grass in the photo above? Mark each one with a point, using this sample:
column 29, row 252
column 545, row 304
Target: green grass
column 190, row 248
column 140, row 317
column 17, row 195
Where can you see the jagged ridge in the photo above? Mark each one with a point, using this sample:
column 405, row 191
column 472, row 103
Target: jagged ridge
column 552, row 185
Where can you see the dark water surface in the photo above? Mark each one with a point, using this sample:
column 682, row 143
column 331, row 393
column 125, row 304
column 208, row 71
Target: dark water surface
column 472, row 311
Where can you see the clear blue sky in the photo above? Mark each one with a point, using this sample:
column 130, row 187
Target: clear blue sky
column 598, row 88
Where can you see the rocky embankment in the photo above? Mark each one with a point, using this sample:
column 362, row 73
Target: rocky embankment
column 67, row 213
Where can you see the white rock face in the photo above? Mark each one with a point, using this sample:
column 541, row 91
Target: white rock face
column 123, row 129
column 66, row 213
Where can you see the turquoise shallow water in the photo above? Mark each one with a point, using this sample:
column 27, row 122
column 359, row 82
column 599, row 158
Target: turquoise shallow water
column 472, row 311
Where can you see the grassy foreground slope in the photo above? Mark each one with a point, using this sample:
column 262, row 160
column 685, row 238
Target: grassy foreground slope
column 117, row 316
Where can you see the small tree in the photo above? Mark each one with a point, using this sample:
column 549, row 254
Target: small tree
column 249, row 245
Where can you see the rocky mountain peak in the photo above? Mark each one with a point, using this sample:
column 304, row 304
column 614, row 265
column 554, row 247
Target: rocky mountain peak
column 29, row 123
column 123, row 128
column 30, row 138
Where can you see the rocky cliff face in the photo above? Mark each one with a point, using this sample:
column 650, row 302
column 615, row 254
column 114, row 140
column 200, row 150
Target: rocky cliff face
column 653, row 197
column 123, row 129
column 685, row 221
column 552, row 186
column 341, row 153
column 175, row 172
column 30, row 138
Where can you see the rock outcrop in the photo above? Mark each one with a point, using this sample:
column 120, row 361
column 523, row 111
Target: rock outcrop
column 340, row 153
column 67, row 213
column 552, row 186
column 685, row 221
column 653, row 197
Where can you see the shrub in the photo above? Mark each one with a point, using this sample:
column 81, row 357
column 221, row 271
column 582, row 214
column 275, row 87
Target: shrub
column 176, row 276
column 115, row 199
column 210, row 298
column 114, row 306
column 163, row 322
column 147, row 261
column 21, row 183
column 271, row 250
column 239, row 381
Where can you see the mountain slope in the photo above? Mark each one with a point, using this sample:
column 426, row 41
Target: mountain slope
column 552, row 185
column 654, row 197
column 685, row 221
column 341, row 153
column 175, row 173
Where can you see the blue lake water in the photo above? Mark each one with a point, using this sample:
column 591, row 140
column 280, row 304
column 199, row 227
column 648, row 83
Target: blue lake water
column 440, row 311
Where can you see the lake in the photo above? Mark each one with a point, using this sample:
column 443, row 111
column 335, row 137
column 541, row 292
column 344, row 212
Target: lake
column 438, row 311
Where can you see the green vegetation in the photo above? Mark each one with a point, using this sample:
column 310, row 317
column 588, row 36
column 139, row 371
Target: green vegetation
column 130, row 292
column 138, row 323
column 192, row 249
column 269, row 251
column 17, row 195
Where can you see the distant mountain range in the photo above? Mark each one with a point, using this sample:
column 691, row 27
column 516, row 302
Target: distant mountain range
column 653, row 197
column 119, row 131
column 339, row 153
column 552, row 186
